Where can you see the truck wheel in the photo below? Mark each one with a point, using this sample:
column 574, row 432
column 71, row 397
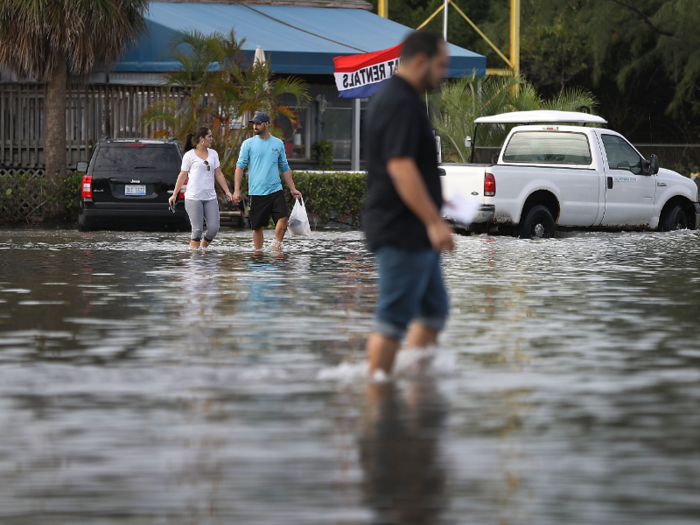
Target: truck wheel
column 536, row 223
column 675, row 219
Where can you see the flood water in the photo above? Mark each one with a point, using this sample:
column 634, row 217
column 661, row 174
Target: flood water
column 141, row 383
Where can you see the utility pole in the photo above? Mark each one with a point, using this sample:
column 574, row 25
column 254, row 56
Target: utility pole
column 383, row 11
column 515, row 36
column 444, row 20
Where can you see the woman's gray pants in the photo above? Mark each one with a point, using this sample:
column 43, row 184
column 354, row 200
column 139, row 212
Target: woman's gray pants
column 199, row 210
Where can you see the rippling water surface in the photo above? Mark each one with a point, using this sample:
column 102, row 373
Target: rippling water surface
column 143, row 383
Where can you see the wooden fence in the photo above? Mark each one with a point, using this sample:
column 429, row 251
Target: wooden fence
column 93, row 112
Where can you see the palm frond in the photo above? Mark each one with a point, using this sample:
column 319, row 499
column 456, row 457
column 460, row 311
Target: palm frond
column 219, row 90
column 575, row 99
column 33, row 33
column 461, row 102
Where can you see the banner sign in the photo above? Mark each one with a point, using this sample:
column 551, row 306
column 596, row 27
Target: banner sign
column 360, row 76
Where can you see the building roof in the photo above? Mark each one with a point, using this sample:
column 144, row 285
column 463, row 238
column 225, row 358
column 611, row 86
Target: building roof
column 355, row 4
column 298, row 40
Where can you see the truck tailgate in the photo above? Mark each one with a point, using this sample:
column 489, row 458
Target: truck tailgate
column 467, row 179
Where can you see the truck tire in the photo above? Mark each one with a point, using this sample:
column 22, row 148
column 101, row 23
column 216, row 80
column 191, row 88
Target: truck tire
column 675, row 219
column 536, row 223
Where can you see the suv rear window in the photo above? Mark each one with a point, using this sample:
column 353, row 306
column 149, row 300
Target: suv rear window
column 547, row 147
column 129, row 158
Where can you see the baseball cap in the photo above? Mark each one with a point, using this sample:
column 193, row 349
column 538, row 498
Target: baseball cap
column 260, row 117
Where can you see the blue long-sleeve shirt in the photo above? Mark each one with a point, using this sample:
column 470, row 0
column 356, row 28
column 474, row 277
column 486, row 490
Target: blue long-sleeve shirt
column 266, row 159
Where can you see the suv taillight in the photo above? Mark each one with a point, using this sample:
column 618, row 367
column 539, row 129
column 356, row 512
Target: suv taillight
column 183, row 188
column 489, row 185
column 86, row 187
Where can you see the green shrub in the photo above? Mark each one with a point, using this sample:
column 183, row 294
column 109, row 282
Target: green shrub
column 23, row 195
column 322, row 151
column 69, row 192
column 331, row 197
column 336, row 197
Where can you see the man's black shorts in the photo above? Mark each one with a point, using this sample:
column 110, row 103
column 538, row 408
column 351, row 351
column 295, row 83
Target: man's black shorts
column 264, row 206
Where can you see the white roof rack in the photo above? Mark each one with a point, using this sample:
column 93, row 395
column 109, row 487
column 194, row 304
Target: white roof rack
column 544, row 116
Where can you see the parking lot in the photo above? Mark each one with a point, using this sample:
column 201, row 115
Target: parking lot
column 141, row 382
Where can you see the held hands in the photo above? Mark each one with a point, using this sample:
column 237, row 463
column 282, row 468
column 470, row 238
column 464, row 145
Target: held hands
column 295, row 193
column 236, row 197
column 440, row 235
column 229, row 196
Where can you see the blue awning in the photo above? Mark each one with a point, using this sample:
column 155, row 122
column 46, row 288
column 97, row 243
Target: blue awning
column 298, row 40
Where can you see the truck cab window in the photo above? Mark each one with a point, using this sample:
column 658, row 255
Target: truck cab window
column 547, row 147
column 621, row 156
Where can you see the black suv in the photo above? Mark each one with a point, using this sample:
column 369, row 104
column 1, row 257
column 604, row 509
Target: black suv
column 128, row 183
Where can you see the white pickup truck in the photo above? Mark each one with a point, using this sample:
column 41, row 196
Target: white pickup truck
column 550, row 175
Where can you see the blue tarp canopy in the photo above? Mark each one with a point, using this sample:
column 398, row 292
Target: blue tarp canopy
column 298, row 40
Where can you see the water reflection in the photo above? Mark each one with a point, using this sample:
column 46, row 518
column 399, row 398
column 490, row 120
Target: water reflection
column 401, row 453
column 200, row 282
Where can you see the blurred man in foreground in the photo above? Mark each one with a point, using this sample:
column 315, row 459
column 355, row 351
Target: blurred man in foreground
column 402, row 219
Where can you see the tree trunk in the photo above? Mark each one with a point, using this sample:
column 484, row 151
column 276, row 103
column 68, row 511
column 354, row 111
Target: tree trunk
column 55, row 132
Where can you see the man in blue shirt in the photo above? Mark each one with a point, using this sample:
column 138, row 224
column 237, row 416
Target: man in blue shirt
column 264, row 154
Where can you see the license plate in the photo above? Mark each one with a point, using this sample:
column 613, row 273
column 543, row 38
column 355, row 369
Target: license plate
column 135, row 189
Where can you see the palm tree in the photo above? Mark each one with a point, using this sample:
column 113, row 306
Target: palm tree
column 459, row 103
column 47, row 39
column 219, row 91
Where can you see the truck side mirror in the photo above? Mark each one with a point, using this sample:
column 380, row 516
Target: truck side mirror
column 81, row 167
column 467, row 142
column 654, row 165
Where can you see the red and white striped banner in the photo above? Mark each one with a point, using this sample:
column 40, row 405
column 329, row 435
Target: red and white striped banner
column 360, row 76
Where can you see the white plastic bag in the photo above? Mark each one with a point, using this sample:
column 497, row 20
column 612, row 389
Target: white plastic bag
column 298, row 220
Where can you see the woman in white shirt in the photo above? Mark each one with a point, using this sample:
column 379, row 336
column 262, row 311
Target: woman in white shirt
column 200, row 167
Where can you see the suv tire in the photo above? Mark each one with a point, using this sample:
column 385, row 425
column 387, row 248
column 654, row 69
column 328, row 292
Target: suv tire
column 82, row 226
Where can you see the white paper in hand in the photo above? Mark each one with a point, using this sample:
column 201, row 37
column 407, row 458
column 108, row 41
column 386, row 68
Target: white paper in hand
column 460, row 209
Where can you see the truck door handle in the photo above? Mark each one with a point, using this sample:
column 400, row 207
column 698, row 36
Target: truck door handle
column 610, row 183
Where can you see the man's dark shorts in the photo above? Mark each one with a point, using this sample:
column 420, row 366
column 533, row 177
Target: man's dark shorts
column 411, row 288
column 262, row 207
